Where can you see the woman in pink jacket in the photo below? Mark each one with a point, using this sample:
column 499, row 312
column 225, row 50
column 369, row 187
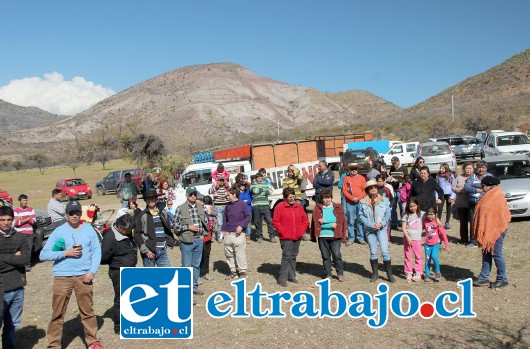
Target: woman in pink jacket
column 290, row 221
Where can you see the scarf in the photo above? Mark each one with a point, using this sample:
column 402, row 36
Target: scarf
column 491, row 218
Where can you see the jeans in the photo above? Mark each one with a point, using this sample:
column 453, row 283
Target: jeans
column 448, row 205
column 220, row 215
column 258, row 213
column 290, row 250
column 13, row 303
column 161, row 259
column 249, row 226
column 330, row 247
column 431, row 253
column 498, row 257
column 355, row 228
column 393, row 213
column 191, row 257
column 473, row 237
column 373, row 238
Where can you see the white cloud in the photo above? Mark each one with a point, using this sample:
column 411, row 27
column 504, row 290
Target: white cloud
column 54, row 94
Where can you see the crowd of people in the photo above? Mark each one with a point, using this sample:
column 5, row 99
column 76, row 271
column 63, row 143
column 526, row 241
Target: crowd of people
column 369, row 208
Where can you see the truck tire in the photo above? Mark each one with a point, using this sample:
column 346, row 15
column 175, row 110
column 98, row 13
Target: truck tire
column 38, row 242
column 100, row 190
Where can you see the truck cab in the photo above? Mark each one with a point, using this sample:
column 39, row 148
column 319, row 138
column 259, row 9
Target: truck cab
column 406, row 152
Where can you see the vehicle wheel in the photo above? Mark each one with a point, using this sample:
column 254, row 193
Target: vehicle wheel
column 482, row 156
column 100, row 191
column 90, row 197
column 38, row 241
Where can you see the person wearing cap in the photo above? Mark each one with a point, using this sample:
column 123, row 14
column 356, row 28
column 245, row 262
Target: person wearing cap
column 191, row 226
column 375, row 215
column 128, row 190
column 353, row 190
column 323, row 180
column 218, row 192
column 474, row 190
column 74, row 268
column 119, row 250
column 152, row 233
column 15, row 254
column 490, row 223
column 260, row 208
column 397, row 172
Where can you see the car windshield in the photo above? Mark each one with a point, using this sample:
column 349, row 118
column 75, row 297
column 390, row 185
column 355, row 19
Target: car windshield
column 196, row 177
column 352, row 155
column 74, row 182
column 512, row 140
column 435, row 149
column 510, row 169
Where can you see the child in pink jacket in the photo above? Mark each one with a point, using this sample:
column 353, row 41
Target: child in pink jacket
column 433, row 229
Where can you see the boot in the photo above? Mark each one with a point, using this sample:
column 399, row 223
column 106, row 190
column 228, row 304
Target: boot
column 375, row 271
column 388, row 268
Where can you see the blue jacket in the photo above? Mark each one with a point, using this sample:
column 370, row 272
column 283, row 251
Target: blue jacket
column 382, row 213
column 323, row 181
column 472, row 184
column 246, row 196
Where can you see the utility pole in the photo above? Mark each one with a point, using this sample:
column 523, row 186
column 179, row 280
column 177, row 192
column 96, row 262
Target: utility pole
column 453, row 107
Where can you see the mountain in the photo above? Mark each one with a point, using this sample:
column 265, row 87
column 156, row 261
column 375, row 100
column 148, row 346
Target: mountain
column 16, row 118
column 214, row 104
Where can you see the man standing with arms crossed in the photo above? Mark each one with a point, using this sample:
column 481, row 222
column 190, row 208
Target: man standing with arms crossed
column 127, row 190
column 24, row 220
column 74, row 248
column 353, row 190
column 14, row 256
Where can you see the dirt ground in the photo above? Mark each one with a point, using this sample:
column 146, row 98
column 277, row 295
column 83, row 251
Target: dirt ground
column 502, row 315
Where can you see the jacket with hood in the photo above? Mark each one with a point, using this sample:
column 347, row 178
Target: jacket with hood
column 294, row 182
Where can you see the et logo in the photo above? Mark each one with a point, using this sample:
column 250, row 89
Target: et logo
column 156, row 303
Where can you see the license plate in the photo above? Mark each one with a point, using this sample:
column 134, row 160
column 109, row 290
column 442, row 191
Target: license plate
column 512, row 206
column 81, row 193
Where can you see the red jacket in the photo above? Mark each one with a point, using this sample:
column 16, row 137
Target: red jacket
column 341, row 231
column 290, row 221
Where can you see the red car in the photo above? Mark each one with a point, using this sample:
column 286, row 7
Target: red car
column 4, row 195
column 74, row 188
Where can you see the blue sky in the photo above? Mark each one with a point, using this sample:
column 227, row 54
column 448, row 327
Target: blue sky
column 402, row 51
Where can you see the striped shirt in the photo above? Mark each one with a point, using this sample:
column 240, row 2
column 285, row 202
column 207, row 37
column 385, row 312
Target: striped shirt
column 159, row 231
column 219, row 195
column 260, row 194
column 23, row 213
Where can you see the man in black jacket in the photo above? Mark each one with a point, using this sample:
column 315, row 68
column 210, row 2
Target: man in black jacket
column 323, row 180
column 14, row 256
column 119, row 250
column 152, row 233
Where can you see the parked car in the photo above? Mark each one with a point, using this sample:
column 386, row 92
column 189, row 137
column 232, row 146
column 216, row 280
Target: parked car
column 514, row 173
column 74, row 188
column 482, row 135
column 505, row 143
column 435, row 154
column 463, row 146
column 110, row 183
column 365, row 158
column 4, row 195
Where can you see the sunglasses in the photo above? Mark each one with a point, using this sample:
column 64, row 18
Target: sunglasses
column 193, row 194
column 74, row 213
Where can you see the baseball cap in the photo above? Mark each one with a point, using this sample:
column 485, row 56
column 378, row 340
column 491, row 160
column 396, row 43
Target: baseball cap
column 394, row 159
column 190, row 190
column 73, row 206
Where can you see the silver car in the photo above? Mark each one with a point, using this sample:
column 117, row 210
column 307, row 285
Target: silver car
column 435, row 154
column 514, row 173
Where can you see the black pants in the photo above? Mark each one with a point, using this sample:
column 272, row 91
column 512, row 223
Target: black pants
column 290, row 250
column 205, row 260
column 447, row 207
column 330, row 247
column 463, row 213
column 114, row 275
column 258, row 213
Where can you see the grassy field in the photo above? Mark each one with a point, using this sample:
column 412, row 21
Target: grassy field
column 39, row 186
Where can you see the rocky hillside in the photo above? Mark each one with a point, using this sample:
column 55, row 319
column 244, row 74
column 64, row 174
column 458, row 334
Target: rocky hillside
column 217, row 103
column 15, row 118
